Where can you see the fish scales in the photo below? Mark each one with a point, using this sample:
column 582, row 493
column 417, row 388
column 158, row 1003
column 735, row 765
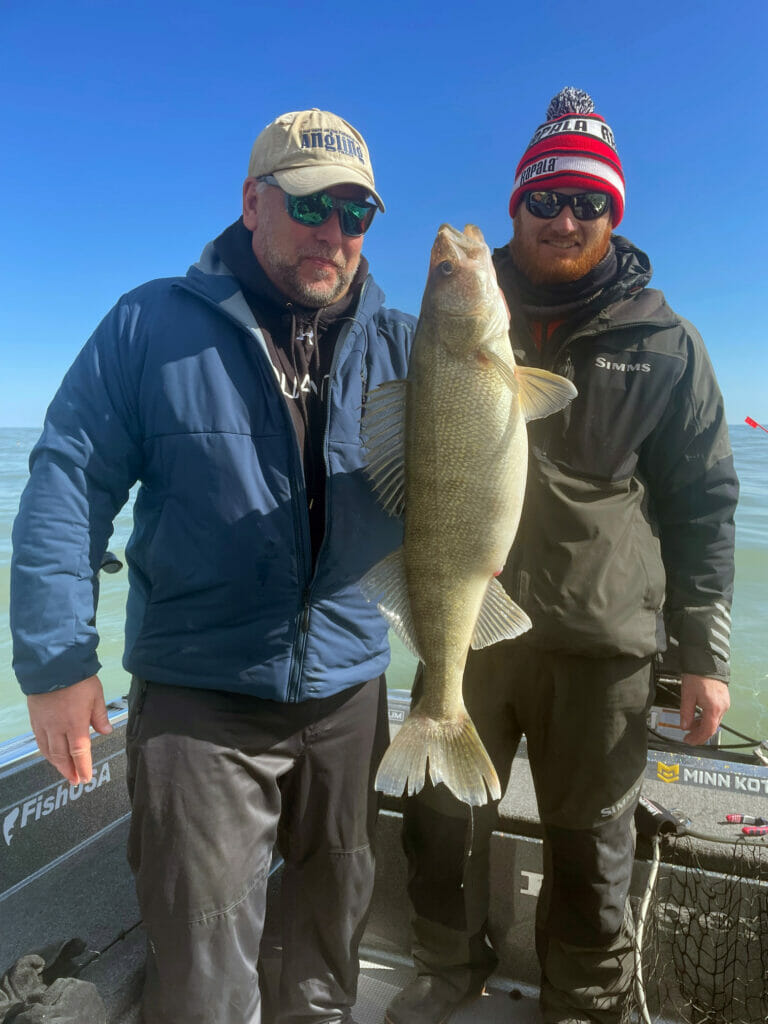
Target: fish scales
column 448, row 450
column 465, row 452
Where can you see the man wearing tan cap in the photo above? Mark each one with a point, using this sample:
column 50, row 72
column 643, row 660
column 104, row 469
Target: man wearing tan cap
column 233, row 396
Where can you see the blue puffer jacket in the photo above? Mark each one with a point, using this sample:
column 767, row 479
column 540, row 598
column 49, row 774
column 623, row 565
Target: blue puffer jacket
column 175, row 389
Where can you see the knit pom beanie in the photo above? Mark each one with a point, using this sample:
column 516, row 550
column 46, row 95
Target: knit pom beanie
column 574, row 148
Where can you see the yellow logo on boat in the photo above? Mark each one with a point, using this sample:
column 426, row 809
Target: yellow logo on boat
column 668, row 772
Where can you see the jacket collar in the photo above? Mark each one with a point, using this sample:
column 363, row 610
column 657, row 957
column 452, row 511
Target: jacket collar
column 212, row 280
column 234, row 247
column 626, row 300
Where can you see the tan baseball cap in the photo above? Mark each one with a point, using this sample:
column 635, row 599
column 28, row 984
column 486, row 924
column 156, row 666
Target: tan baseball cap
column 309, row 150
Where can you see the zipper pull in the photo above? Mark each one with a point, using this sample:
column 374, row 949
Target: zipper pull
column 566, row 368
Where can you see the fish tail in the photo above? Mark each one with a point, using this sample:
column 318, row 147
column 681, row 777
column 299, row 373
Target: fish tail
column 450, row 749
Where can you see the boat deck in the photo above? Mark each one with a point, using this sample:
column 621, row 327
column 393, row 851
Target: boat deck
column 85, row 890
column 503, row 1001
column 90, row 895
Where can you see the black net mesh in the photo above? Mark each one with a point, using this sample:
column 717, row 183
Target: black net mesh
column 705, row 941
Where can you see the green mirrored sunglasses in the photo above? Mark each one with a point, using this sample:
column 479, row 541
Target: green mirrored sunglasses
column 354, row 216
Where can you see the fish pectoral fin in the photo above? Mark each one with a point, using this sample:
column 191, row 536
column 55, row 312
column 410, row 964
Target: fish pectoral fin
column 499, row 619
column 542, row 392
column 386, row 584
column 506, row 371
column 383, row 435
column 450, row 750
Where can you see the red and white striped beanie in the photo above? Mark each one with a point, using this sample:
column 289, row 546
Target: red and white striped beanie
column 574, row 148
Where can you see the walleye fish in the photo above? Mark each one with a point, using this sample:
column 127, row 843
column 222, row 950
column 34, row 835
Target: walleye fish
column 448, row 450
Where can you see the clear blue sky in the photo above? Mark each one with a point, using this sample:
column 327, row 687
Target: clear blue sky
column 125, row 130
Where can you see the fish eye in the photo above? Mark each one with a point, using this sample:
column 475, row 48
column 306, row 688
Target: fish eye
column 446, row 267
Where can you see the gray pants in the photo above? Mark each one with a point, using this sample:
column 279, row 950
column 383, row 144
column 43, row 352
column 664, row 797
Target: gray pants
column 585, row 725
column 217, row 780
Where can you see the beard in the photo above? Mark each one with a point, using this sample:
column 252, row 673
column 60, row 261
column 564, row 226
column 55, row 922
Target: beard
column 311, row 287
column 542, row 267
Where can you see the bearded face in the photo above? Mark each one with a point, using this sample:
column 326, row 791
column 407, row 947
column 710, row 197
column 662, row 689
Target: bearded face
column 314, row 266
column 559, row 250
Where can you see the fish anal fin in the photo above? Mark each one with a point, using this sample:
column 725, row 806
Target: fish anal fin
column 499, row 619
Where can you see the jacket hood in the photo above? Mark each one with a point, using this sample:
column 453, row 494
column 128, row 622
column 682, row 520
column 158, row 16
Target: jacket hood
column 627, row 298
column 634, row 266
column 212, row 280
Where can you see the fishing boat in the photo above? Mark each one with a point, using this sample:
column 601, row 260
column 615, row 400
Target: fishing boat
column 700, row 888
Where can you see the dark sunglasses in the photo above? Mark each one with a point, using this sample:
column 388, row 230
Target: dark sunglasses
column 354, row 216
column 585, row 205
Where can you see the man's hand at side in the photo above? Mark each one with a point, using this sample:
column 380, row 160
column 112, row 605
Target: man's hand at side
column 61, row 723
column 712, row 697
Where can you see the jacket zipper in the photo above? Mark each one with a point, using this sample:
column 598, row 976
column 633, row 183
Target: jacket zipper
column 303, row 544
column 301, row 533
column 301, row 629
column 340, row 342
column 300, row 647
column 300, row 515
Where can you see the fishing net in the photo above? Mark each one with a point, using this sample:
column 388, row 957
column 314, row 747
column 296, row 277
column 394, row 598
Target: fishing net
column 704, row 936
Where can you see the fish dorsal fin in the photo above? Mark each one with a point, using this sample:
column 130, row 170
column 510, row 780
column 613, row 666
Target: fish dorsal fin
column 542, row 392
column 500, row 618
column 383, row 433
column 386, row 584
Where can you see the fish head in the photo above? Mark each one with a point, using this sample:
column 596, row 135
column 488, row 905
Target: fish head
column 462, row 294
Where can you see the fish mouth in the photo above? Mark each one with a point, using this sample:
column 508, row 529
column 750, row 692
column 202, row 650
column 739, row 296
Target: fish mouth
column 461, row 272
column 454, row 246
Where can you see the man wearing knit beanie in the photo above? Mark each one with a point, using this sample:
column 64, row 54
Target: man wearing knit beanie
column 624, row 551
